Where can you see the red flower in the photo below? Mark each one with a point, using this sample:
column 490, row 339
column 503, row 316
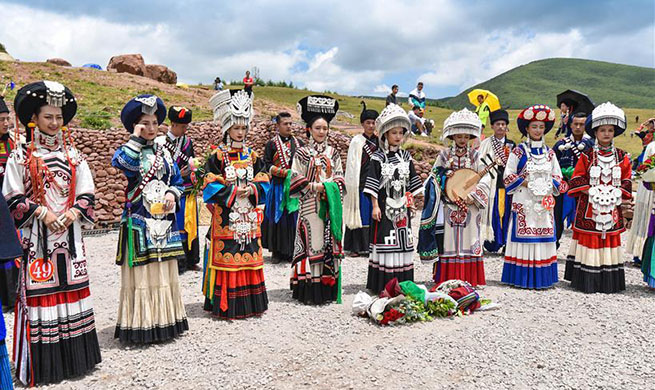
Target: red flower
column 642, row 167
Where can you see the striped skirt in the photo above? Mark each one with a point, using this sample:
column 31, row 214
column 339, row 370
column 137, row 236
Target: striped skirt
column 597, row 265
column 530, row 265
column 55, row 337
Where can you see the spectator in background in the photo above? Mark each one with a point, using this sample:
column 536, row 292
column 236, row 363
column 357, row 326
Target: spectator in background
column 391, row 98
column 218, row 84
column 248, row 82
column 417, row 96
column 418, row 122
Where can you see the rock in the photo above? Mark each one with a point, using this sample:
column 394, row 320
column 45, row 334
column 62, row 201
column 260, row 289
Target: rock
column 161, row 73
column 128, row 63
column 101, row 173
column 58, row 61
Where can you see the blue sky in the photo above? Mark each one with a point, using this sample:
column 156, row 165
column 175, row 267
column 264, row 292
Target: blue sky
column 350, row 47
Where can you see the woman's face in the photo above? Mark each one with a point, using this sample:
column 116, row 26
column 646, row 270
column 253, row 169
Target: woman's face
column 536, row 130
column 150, row 126
column 238, row 132
column 319, row 130
column 605, row 134
column 395, row 136
column 461, row 140
column 49, row 119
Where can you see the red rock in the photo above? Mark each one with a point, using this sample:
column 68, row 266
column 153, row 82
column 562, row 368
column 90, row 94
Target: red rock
column 128, row 63
column 101, row 173
column 58, row 61
column 161, row 73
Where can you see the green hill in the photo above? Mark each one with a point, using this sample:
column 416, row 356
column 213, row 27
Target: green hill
column 541, row 81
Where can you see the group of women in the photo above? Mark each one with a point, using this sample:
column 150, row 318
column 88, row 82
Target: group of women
column 49, row 193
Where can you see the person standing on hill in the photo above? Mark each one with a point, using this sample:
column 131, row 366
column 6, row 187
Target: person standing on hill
column 482, row 111
column 358, row 206
column 248, row 82
column 391, row 98
column 281, row 212
column 417, row 96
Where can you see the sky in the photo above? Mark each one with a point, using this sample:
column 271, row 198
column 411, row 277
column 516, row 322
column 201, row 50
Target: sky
column 351, row 47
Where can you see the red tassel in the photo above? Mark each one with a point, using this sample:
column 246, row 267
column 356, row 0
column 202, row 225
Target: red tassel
column 182, row 113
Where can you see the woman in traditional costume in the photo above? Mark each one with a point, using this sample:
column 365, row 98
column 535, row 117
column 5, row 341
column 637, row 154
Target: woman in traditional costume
column 461, row 256
column 150, row 305
column 391, row 183
column 50, row 193
column 357, row 205
column 533, row 177
column 601, row 181
column 317, row 179
column 10, row 250
column 236, row 187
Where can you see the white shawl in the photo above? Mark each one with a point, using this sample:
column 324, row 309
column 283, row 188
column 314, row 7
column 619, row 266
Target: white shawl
column 351, row 214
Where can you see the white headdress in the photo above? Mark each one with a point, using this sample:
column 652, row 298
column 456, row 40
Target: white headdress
column 231, row 109
column 462, row 122
column 608, row 114
column 391, row 117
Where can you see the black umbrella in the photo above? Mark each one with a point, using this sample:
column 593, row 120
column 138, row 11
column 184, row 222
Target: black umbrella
column 578, row 101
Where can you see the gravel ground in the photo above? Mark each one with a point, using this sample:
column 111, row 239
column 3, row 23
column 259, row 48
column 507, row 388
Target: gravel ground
column 557, row 338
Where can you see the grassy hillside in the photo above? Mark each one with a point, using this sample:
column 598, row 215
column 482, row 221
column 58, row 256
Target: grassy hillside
column 101, row 95
column 541, row 81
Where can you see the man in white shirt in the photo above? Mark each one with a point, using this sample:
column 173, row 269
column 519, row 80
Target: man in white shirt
column 417, row 96
column 418, row 122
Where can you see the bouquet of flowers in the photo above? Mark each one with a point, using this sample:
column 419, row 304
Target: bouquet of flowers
column 197, row 167
column 641, row 173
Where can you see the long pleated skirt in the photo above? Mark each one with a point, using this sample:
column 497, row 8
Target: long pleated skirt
column 530, row 265
column 150, row 306
column 55, row 337
column 598, row 264
column 382, row 267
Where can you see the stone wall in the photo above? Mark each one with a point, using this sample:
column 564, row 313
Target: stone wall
column 99, row 147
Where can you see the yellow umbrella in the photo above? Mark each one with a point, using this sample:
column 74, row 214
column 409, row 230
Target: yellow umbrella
column 489, row 97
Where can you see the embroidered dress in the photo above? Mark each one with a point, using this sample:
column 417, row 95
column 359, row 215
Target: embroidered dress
column 647, row 255
column 181, row 151
column 567, row 151
column 530, row 254
column 495, row 216
column 461, row 256
column 393, row 180
column 279, row 227
column 318, row 251
column 357, row 205
column 233, row 282
column 150, row 305
column 8, row 270
column 598, row 263
column 54, row 327
column 55, row 335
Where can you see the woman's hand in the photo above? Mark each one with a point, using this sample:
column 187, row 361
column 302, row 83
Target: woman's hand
column 377, row 213
column 68, row 218
column 169, row 202
column 319, row 188
column 243, row 192
column 138, row 129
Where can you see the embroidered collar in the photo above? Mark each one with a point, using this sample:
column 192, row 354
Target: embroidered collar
column 50, row 142
column 320, row 148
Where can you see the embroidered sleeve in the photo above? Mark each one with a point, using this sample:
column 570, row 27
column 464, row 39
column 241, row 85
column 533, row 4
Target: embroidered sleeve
column 559, row 185
column 126, row 157
column 217, row 190
column 481, row 193
column 177, row 183
column 299, row 187
column 415, row 186
column 511, row 178
column 337, row 173
column 580, row 180
column 260, row 184
column 22, row 208
column 626, row 178
column 373, row 176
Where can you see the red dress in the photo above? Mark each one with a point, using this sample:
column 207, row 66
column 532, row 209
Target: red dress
column 598, row 264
